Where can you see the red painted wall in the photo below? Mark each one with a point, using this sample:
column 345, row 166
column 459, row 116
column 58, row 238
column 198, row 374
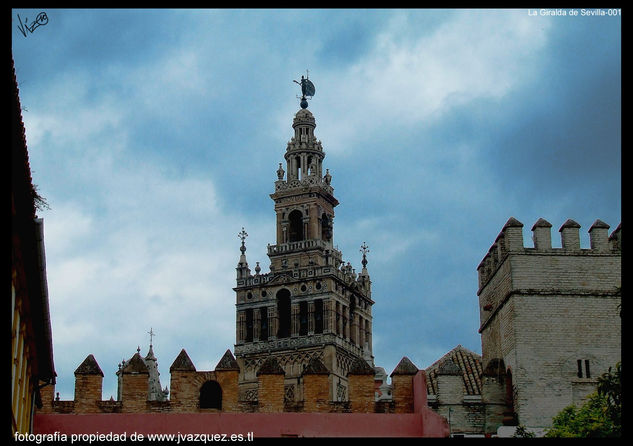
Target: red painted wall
column 425, row 424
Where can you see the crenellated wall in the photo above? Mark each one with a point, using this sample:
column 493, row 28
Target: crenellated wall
column 509, row 266
column 510, row 240
column 269, row 396
column 550, row 314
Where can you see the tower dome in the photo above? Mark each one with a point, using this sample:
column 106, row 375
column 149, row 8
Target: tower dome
column 304, row 117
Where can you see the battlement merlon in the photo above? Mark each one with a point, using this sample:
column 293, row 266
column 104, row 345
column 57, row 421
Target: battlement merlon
column 510, row 241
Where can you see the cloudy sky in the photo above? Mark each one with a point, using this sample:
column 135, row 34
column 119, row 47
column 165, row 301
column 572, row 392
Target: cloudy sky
column 155, row 135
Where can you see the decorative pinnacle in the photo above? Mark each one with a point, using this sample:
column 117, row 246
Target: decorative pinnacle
column 242, row 236
column 364, row 249
column 151, row 336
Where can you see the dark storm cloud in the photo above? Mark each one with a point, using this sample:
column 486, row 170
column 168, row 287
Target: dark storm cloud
column 563, row 130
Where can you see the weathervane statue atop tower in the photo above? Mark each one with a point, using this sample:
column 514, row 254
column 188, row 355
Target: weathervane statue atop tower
column 307, row 89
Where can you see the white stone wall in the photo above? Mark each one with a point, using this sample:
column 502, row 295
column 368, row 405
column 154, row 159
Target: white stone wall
column 542, row 309
column 551, row 334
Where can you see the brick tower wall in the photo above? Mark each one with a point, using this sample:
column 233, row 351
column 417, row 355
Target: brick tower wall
column 361, row 393
column 88, row 390
column 316, row 391
column 271, row 392
column 134, row 392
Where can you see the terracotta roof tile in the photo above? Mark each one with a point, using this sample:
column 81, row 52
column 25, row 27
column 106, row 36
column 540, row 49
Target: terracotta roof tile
column 469, row 364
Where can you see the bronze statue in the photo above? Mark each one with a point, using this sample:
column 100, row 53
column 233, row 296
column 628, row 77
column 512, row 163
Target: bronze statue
column 307, row 89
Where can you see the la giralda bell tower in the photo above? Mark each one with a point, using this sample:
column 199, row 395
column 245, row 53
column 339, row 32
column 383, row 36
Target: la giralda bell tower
column 312, row 310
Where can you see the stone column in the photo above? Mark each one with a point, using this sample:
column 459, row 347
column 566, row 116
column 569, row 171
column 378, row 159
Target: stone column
column 361, row 331
column 328, row 316
column 256, row 324
column 273, row 322
column 353, row 319
column 294, row 319
column 311, row 318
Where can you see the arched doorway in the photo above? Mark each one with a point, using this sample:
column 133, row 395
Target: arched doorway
column 211, row 395
column 509, row 415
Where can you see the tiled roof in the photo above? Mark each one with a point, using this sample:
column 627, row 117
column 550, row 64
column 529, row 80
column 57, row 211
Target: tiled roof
column 469, row 364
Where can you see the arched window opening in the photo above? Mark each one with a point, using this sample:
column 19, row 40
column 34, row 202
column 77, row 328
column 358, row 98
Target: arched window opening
column 283, row 311
column 211, row 395
column 318, row 316
column 298, row 164
column 326, row 228
column 296, row 226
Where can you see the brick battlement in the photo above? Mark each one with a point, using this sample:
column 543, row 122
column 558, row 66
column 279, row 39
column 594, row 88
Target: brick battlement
column 194, row 391
column 510, row 241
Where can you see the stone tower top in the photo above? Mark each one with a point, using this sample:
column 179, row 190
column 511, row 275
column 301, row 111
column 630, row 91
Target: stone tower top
column 304, row 157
